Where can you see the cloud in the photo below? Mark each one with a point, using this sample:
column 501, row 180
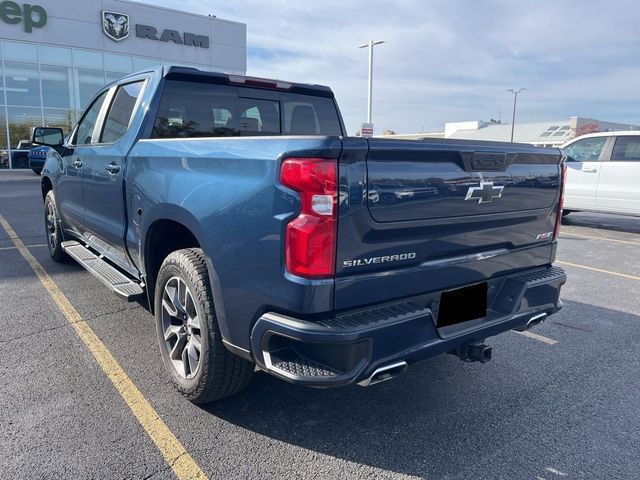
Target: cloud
column 448, row 61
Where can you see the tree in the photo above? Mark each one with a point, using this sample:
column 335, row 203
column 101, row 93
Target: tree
column 591, row 127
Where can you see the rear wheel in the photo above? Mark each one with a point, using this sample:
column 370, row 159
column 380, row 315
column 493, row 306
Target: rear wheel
column 199, row 365
column 52, row 228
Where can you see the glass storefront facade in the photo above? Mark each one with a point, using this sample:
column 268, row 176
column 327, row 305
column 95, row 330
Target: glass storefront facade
column 50, row 85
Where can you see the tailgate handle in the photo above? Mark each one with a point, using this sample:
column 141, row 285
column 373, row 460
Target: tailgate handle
column 488, row 161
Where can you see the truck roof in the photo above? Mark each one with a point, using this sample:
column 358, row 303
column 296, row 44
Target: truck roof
column 170, row 71
column 177, row 72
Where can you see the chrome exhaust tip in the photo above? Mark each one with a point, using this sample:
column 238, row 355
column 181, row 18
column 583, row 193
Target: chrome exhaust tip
column 532, row 322
column 385, row 373
column 535, row 320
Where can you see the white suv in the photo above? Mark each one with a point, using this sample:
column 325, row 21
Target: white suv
column 603, row 173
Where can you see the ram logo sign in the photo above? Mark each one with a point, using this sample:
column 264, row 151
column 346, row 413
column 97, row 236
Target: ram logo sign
column 115, row 25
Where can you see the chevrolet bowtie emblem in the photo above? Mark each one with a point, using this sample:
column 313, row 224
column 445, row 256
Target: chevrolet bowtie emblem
column 485, row 193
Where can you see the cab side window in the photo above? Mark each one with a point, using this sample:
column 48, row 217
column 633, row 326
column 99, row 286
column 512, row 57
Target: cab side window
column 626, row 149
column 117, row 122
column 85, row 132
column 586, row 150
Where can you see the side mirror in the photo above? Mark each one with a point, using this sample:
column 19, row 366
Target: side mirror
column 49, row 136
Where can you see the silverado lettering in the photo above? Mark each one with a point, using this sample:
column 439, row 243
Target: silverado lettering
column 220, row 198
column 384, row 259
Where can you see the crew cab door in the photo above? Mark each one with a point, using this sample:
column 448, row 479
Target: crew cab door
column 584, row 161
column 105, row 209
column 619, row 185
column 69, row 189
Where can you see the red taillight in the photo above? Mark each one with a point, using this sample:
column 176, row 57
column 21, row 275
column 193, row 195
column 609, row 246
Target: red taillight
column 310, row 243
column 563, row 182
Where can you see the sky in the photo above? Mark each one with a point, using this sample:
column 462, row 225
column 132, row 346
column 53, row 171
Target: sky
column 448, row 61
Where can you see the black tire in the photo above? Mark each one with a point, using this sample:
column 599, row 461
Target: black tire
column 52, row 229
column 37, row 171
column 219, row 373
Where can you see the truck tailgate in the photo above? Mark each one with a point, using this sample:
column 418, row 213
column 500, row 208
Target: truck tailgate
column 419, row 216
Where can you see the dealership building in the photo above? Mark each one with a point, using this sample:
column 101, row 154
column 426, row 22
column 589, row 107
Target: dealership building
column 55, row 55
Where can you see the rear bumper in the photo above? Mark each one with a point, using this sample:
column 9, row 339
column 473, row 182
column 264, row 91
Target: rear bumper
column 350, row 347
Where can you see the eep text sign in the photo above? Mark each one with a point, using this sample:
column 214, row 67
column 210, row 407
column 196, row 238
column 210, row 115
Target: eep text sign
column 32, row 16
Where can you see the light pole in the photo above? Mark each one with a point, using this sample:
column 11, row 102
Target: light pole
column 515, row 101
column 370, row 45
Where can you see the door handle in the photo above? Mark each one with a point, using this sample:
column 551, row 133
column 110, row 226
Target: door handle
column 590, row 170
column 77, row 163
column 112, row 168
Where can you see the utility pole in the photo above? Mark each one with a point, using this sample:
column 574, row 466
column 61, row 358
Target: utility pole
column 370, row 46
column 515, row 101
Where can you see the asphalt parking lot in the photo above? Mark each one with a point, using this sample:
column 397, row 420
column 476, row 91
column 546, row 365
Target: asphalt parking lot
column 560, row 404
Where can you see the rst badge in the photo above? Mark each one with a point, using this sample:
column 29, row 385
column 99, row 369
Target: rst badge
column 485, row 193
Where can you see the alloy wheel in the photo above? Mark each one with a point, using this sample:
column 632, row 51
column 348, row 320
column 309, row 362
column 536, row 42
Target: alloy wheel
column 50, row 219
column 181, row 328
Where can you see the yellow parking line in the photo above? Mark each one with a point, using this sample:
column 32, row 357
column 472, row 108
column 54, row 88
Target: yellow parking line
column 599, row 270
column 535, row 336
column 593, row 237
column 28, row 246
column 170, row 447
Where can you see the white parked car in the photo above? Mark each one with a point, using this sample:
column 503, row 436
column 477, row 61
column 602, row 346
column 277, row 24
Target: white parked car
column 603, row 173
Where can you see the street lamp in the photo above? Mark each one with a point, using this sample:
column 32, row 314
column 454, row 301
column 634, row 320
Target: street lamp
column 515, row 100
column 370, row 45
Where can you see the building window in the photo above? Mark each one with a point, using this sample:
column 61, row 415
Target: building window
column 1, row 89
column 20, row 52
column 57, row 88
column 88, row 59
column 55, row 55
column 22, row 84
column 89, row 82
column 113, row 76
column 21, row 121
column 141, row 63
column 4, row 149
column 118, row 63
column 61, row 118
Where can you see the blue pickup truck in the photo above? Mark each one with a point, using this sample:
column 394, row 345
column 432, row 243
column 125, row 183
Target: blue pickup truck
column 263, row 236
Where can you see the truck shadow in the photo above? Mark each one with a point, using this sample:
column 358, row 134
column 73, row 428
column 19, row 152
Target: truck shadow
column 443, row 417
column 601, row 221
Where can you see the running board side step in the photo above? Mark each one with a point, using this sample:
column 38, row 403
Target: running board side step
column 113, row 278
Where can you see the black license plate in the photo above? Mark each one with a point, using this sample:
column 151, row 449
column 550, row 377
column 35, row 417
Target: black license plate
column 462, row 304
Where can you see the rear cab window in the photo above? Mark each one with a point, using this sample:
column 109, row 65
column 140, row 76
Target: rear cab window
column 120, row 111
column 626, row 149
column 192, row 109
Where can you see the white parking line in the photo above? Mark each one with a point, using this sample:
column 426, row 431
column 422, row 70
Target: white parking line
column 181, row 462
column 599, row 270
column 593, row 237
column 555, row 471
column 28, row 246
column 535, row 336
